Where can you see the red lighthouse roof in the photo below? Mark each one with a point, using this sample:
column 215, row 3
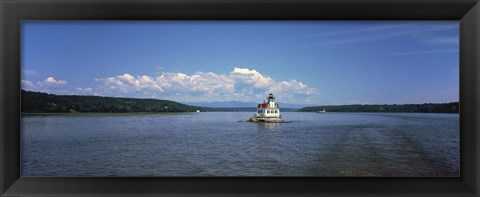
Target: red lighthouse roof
column 265, row 105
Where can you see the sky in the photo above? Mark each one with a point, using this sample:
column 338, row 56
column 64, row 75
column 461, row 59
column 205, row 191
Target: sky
column 300, row 62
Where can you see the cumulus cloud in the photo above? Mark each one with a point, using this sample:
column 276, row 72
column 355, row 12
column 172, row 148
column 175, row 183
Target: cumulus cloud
column 200, row 82
column 251, row 77
column 54, row 86
column 292, row 86
column 50, row 85
column 50, row 81
column 240, row 84
column 127, row 83
column 26, row 84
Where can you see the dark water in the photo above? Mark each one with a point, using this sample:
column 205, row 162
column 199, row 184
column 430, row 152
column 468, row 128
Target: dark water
column 215, row 144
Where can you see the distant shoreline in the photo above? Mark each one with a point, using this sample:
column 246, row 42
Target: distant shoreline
column 452, row 107
column 43, row 103
column 103, row 113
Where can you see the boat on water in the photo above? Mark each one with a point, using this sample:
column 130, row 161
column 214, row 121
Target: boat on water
column 268, row 111
column 322, row 111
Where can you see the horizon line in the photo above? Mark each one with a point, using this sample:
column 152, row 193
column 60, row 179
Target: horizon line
column 307, row 105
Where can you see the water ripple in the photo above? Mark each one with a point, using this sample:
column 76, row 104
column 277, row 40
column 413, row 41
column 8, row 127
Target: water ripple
column 215, row 144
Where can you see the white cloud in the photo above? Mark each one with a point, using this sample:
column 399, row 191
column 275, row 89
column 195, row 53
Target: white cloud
column 26, row 84
column 251, row 77
column 50, row 85
column 240, row 84
column 174, row 82
column 292, row 87
column 50, row 81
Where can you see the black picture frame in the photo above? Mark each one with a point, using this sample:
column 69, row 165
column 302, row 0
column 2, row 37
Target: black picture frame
column 14, row 11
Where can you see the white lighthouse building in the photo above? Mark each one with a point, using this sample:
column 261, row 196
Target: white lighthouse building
column 268, row 111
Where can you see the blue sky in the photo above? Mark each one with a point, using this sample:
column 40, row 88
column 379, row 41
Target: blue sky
column 302, row 62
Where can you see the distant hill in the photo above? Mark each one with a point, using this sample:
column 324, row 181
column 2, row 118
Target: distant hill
column 239, row 104
column 426, row 107
column 37, row 102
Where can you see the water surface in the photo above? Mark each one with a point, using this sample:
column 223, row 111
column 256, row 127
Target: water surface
column 216, row 144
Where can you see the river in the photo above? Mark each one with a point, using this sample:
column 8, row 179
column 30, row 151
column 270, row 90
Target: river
column 216, row 144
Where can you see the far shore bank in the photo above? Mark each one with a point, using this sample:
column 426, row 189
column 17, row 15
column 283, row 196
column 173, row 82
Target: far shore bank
column 105, row 113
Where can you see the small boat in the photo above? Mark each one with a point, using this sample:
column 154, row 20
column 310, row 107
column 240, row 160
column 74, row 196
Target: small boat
column 322, row 111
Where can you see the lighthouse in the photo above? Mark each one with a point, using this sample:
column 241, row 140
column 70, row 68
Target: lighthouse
column 268, row 111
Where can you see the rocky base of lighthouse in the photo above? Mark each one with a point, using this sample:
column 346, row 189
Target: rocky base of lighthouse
column 267, row 119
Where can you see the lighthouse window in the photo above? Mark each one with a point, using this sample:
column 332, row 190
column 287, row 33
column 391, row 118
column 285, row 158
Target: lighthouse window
column 276, row 111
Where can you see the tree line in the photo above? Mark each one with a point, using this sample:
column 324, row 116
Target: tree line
column 452, row 107
column 37, row 102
